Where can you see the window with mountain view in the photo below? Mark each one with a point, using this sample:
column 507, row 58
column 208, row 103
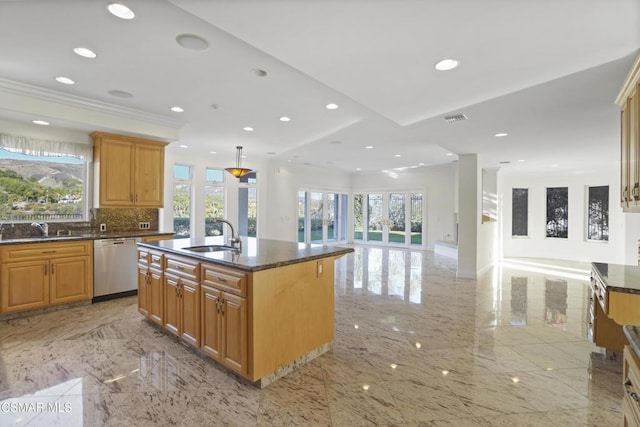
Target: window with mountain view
column 43, row 186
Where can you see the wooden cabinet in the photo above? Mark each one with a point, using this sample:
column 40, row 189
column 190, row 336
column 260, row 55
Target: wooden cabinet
column 129, row 171
column 629, row 102
column 224, row 317
column 631, row 386
column 41, row 274
column 182, row 298
column 150, row 285
column 608, row 311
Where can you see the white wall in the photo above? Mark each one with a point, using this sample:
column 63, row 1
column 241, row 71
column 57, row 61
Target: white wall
column 575, row 247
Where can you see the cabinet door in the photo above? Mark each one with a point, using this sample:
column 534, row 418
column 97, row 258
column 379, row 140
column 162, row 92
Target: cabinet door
column 634, row 190
column 69, row 280
column 143, row 290
column 171, row 304
column 234, row 335
column 116, row 173
column 156, row 297
column 190, row 322
column 149, row 175
column 210, row 322
column 25, row 286
column 624, row 157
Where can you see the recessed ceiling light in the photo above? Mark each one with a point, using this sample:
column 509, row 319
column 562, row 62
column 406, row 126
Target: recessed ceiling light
column 446, row 64
column 500, row 134
column 285, row 119
column 248, row 128
column 358, row 169
column 84, row 52
column 336, row 142
column 449, row 154
column 120, row 94
column 258, row 72
column 40, row 122
column 177, row 109
column 184, row 146
column 520, row 161
column 64, row 80
column 192, row 42
column 332, row 106
column 369, row 147
column 397, row 155
column 554, row 166
column 121, row 11
column 420, row 164
column 212, row 152
column 243, row 156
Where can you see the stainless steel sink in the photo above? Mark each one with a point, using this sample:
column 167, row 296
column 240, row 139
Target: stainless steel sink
column 211, row 248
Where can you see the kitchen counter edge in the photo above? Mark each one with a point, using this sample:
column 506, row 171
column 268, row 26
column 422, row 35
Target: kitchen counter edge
column 326, row 253
column 628, row 288
column 84, row 236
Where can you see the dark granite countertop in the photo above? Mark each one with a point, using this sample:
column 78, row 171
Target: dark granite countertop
column 84, row 236
column 633, row 335
column 256, row 254
column 618, row 277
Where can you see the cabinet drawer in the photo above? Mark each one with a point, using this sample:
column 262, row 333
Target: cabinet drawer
column 600, row 292
column 182, row 267
column 156, row 260
column 33, row 251
column 143, row 256
column 225, row 279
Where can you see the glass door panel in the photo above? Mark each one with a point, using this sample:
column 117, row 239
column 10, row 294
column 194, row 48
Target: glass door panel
column 316, row 217
column 375, row 223
column 358, row 217
column 396, row 221
column 302, row 214
column 415, row 214
column 332, row 210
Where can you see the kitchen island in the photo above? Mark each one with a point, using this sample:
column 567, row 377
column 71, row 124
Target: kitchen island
column 615, row 302
column 259, row 311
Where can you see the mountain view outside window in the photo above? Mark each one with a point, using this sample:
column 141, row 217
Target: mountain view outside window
column 41, row 187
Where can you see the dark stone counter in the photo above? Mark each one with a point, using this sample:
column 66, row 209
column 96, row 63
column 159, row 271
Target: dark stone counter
column 618, row 277
column 256, row 254
column 84, row 236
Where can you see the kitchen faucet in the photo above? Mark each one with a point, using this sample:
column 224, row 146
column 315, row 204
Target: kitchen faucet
column 234, row 241
column 43, row 226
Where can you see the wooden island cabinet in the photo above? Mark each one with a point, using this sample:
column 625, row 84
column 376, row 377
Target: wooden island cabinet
column 258, row 312
column 629, row 102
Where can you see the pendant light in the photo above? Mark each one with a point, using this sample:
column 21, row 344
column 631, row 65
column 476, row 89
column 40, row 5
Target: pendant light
column 238, row 171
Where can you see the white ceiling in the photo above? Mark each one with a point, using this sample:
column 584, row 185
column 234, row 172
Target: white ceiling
column 547, row 72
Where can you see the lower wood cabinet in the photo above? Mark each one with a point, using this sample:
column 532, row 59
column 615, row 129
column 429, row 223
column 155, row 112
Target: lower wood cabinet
column 224, row 328
column 151, row 285
column 182, row 308
column 37, row 275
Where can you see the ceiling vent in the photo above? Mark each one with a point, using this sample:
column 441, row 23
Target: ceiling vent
column 456, row 118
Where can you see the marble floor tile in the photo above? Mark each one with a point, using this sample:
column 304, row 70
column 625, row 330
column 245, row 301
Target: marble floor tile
column 414, row 346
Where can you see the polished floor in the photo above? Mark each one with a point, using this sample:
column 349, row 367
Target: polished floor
column 413, row 346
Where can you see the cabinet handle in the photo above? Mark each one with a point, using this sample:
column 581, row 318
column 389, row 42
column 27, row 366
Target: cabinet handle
column 52, row 268
column 222, row 307
column 633, row 395
column 218, row 306
column 136, row 197
column 46, row 268
column 625, row 194
column 220, row 279
column 49, row 252
column 148, row 277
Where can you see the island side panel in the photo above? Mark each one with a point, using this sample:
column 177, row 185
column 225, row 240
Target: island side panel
column 293, row 314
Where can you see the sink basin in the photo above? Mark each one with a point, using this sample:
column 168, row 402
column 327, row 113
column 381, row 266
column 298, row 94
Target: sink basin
column 211, row 248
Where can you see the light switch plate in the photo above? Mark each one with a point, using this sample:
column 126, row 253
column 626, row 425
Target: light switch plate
column 103, row 227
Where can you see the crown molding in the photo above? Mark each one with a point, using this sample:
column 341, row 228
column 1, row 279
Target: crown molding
column 43, row 94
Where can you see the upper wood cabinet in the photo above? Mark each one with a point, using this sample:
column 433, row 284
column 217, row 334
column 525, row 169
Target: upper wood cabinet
column 129, row 171
column 629, row 102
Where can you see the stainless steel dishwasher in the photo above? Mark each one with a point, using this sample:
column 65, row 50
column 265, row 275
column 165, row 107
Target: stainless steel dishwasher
column 114, row 268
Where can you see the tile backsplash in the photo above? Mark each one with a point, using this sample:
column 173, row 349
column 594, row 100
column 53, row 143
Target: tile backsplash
column 116, row 220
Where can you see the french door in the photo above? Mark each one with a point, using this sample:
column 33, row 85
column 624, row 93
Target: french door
column 322, row 217
column 392, row 218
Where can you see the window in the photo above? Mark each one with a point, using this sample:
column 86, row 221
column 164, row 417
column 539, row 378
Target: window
column 182, row 201
column 358, row 217
column 302, row 214
column 519, row 212
column 248, row 205
column 598, row 213
column 213, row 201
column 558, row 212
column 43, row 180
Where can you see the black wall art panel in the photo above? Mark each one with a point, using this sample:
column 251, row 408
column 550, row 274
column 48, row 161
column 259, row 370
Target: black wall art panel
column 520, row 212
column 598, row 214
column 558, row 212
